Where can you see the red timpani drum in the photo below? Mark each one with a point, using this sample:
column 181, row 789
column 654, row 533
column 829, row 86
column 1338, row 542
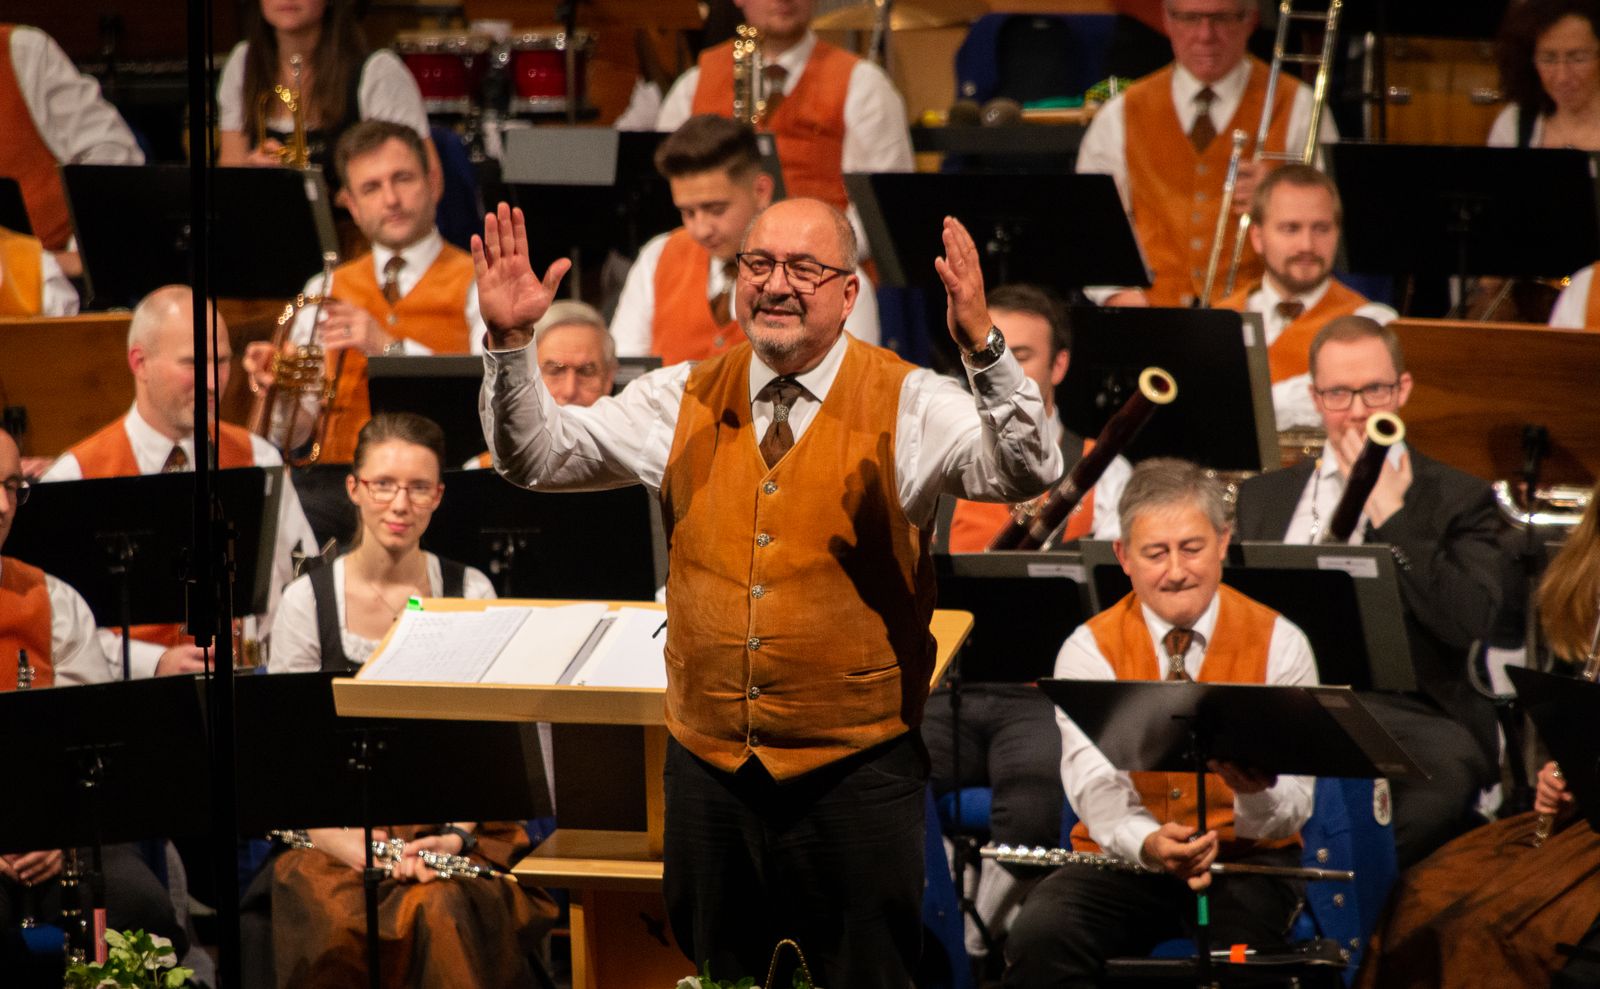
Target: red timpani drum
column 448, row 68
column 538, row 61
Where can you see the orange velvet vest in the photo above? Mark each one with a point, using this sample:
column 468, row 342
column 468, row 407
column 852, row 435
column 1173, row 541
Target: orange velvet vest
column 808, row 124
column 21, row 274
column 974, row 523
column 24, row 623
column 682, row 327
column 1237, row 653
column 108, row 453
column 434, row 314
column 1591, row 318
column 25, row 157
column 1175, row 191
column 1290, row 354
column 801, row 594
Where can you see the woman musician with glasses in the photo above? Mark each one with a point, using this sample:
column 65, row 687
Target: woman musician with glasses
column 463, row 932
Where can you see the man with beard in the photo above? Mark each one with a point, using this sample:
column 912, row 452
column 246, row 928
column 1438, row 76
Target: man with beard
column 1295, row 219
column 798, row 474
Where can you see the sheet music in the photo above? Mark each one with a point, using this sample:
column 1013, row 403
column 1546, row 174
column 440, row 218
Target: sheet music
column 545, row 644
column 631, row 654
column 446, row 646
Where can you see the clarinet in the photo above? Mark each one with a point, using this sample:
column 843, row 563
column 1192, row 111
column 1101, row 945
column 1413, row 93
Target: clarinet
column 30, row 895
column 387, row 855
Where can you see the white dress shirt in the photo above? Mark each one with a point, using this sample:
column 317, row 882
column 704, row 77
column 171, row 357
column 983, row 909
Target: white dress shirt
column 150, row 451
column 76, row 654
column 1503, row 133
column 296, row 645
column 1004, row 449
column 1104, row 147
column 1319, row 499
column 77, row 124
column 387, row 91
column 1291, row 397
column 632, row 324
column 57, row 296
column 1572, row 305
column 1107, row 494
column 1106, row 800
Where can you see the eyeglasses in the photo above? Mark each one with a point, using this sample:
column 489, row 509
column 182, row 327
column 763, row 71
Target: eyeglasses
column 423, row 494
column 1195, row 18
column 804, row 275
column 18, row 489
column 555, row 369
column 1581, row 56
column 1372, row 396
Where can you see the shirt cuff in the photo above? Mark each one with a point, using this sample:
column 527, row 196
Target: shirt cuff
column 1128, row 840
column 997, row 382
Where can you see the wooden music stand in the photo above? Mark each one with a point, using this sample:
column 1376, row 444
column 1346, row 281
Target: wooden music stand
column 1479, row 384
column 69, row 373
column 620, row 935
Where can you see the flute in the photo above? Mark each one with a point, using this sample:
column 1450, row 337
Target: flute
column 1049, row 858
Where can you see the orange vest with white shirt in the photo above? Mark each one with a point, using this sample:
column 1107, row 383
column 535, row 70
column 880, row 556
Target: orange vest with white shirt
column 1290, row 354
column 26, row 157
column 682, row 327
column 21, row 274
column 974, row 523
column 24, row 623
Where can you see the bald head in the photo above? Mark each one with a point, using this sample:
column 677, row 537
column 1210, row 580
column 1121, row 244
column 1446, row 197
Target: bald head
column 161, row 356
column 793, row 320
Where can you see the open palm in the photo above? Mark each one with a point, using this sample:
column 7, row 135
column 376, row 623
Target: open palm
column 511, row 297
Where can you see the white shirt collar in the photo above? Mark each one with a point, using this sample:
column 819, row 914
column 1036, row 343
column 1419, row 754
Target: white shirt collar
column 1229, row 91
column 794, row 60
column 817, row 381
column 1269, row 298
column 1159, row 627
column 150, row 447
column 419, row 257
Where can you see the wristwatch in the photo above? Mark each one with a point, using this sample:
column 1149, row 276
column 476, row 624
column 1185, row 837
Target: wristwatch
column 982, row 357
column 469, row 841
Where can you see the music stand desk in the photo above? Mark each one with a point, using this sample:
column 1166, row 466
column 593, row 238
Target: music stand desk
column 69, row 373
column 1478, row 384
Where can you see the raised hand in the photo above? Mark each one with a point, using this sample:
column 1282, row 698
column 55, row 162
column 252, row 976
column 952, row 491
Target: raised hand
column 511, row 297
column 966, row 310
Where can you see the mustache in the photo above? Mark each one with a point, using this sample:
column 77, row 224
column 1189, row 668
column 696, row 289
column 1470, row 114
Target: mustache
column 789, row 304
column 1306, row 258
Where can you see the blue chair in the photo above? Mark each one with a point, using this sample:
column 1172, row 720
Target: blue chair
column 944, row 949
column 460, row 210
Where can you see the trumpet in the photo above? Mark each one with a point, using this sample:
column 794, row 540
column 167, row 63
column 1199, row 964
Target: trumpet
column 1050, row 858
column 386, row 855
column 298, row 370
column 749, row 80
column 1384, row 430
column 296, row 153
column 1034, row 525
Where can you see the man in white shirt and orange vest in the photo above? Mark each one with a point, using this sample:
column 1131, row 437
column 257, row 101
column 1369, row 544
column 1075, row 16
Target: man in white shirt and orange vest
column 1296, row 216
column 677, row 302
column 157, row 436
column 1179, row 623
column 413, row 294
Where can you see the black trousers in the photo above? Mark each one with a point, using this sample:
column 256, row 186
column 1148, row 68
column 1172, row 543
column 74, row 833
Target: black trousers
column 1009, row 741
column 1079, row 916
column 1428, row 813
column 833, row 860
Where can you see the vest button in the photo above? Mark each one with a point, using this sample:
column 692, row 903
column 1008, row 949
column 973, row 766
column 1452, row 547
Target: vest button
column 770, row 487
column 1202, row 168
column 763, row 540
column 1322, row 855
column 754, row 643
column 1195, row 243
column 719, row 340
column 1176, row 794
column 755, row 740
column 757, row 591
column 1199, row 197
column 753, row 693
column 1338, row 899
column 1195, row 217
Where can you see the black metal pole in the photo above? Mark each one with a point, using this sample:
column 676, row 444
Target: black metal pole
column 1202, row 898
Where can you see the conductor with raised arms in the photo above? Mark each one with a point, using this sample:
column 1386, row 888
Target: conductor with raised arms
column 798, row 476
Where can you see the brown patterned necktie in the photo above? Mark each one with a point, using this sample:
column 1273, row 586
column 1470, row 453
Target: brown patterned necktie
column 176, row 461
column 1204, row 131
column 391, row 279
column 775, row 77
column 1291, row 310
column 781, row 392
column 722, row 304
column 1176, row 642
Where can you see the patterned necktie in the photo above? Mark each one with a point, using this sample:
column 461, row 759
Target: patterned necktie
column 176, row 461
column 781, row 392
column 1291, row 310
column 1204, row 131
column 1177, row 642
column 722, row 304
column 775, row 77
column 391, row 279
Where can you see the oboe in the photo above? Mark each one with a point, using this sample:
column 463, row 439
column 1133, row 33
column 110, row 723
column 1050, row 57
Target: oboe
column 1049, row 858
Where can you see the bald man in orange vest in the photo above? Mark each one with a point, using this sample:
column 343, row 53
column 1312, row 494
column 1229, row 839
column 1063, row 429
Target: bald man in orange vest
column 1178, row 623
column 412, row 295
column 1166, row 142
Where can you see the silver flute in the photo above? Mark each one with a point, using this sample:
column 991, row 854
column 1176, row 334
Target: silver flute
column 1049, row 858
column 387, row 855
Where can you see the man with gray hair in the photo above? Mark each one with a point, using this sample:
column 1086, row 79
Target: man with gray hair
column 1179, row 623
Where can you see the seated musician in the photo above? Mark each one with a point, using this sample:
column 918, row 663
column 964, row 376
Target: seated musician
column 1443, row 530
column 1492, row 901
column 1295, row 218
column 157, row 436
column 1577, row 308
column 831, row 111
column 32, row 282
column 51, row 115
column 48, row 619
column 412, row 295
column 678, row 299
column 1179, row 623
column 1549, row 52
column 466, row 932
column 1165, row 141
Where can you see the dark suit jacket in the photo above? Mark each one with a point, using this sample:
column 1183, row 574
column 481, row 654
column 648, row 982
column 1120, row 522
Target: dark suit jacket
column 1446, row 540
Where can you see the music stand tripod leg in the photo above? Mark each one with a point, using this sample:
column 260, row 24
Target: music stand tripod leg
column 371, row 875
column 1202, row 927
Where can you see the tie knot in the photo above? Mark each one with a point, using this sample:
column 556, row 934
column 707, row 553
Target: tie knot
column 1204, row 98
column 781, row 392
column 391, row 267
column 775, row 75
column 176, row 461
column 1177, row 641
column 1291, row 310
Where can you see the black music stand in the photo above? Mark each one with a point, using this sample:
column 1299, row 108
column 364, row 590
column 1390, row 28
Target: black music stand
column 123, row 542
column 13, row 208
column 1218, row 359
column 1326, row 591
column 1062, row 231
column 599, row 545
column 1436, row 210
column 1565, row 709
column 1171, row 727
column 271, row 226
